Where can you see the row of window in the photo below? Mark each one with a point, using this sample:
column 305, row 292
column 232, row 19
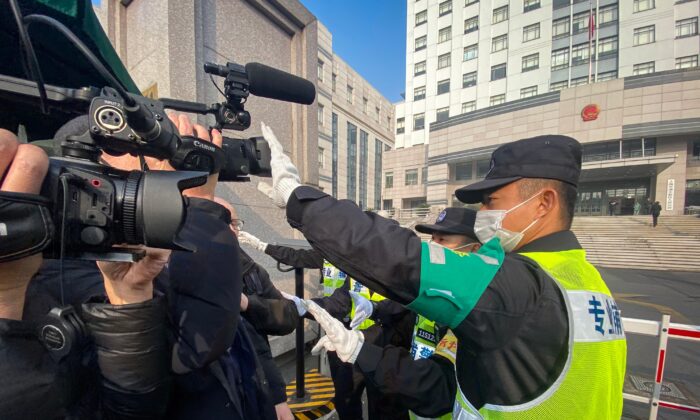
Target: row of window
column 499, row 15
column 349, row 95
column 579, row 54
column 410, row 177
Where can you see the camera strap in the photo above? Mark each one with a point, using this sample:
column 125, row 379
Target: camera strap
column 26, row 227
column 195, row 154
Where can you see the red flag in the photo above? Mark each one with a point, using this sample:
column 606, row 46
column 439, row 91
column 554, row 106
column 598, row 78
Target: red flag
column 591, row 26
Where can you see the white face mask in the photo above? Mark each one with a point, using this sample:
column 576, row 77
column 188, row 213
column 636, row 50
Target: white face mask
column 456, row 248
column 489, row 224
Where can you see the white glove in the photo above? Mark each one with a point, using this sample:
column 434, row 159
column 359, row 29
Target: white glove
column 363, row 309
column 253, row 241
column 346, row 343
column 285, row 176
column 301, row 309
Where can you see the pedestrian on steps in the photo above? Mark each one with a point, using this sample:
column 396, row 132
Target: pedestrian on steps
column 655, row 212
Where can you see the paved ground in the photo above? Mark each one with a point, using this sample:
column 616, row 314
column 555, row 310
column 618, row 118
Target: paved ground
column 646, row 295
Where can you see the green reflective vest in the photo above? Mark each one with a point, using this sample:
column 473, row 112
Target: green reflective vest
column 590, row 384
column 332, row 278
column 425, row 340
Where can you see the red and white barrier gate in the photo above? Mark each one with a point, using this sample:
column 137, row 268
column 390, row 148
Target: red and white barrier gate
column 664, row 330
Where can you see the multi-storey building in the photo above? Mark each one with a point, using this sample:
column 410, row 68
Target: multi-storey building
column 469, row 60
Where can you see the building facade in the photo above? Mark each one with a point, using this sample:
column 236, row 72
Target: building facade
column 470, row 60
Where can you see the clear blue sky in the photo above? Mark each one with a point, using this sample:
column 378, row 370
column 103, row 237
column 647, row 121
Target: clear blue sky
column 370, row 35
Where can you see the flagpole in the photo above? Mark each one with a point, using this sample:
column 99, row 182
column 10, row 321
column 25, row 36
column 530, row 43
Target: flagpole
column 590, row 39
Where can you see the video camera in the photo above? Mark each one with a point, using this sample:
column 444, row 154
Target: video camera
column 96, row 206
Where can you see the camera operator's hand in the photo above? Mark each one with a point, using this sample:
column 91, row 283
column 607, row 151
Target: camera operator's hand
column 127, row 283
column 22, row 170
column 186, row 128
column 285, row 176
column 251, row 240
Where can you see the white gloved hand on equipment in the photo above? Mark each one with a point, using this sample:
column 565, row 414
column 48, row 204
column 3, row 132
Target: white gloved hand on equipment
column 251, row 240
column 363, row 309
column 285, row 176
column 346, row 343
column 301, row 309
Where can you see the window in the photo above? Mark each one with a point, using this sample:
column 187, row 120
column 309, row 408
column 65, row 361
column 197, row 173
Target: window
column 531, row 62
column 528, row 91
column 499, row 43
column 445, row 34
column 320, row 114
column 364, row 153
column 418, row 121
column 468, row 107
column 482, row 168
column 579, row 54
column 579, row 81
column 334, row 154
column 560, row 59
column 607, row 46
column 609, row 150
column 696, row 150
column 687, row 62
column 388, row 204
column 442, row 114
column 498, row 71
column 607, row 14
column 378, row 152
column 421, row 42
column 500, row 14
column 530, row 5
column 351, row 181
column 444, row 61
column 531, row 32
column 400, row 125
column 469, row 79
column 560, row 28
column 559, row 85
column 686, row 27
column 445, row 8
column 419, row 68
column 364, row 105
column 643, row 68
column 389, row 180
column 443, row 86
column 421, row 17
column 579, row 23
column 463, row 171
column 424, row 175
column 468, row 2
column 334, row 78
column 321, row 157
column 319, row 72
column 471, row 24
column 350, row 94
column 419, row 93
column 643, row 35
column 471, row 52
column 497, row 99
column 642, row 5
column 411, row 177
column 608, row 75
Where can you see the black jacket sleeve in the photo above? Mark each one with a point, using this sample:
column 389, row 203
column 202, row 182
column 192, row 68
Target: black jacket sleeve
column 376, row 251
column 338, row 304
column 387, row 312
column 302, row 258
column 276, row 387
column 268, row 311
column 425, row 386
column 204, row 287
column 133, row 354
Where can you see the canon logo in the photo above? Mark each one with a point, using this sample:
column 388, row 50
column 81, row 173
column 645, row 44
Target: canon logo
column 204, row 146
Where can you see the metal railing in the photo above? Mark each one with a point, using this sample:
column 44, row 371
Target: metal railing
column 665, row 330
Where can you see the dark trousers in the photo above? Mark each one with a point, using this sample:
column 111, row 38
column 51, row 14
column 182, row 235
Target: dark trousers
column 655, row 219
column 349, row 384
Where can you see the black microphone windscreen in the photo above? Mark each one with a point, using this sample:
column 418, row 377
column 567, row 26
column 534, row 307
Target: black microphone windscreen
column 276, row 84
column 75, row 127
